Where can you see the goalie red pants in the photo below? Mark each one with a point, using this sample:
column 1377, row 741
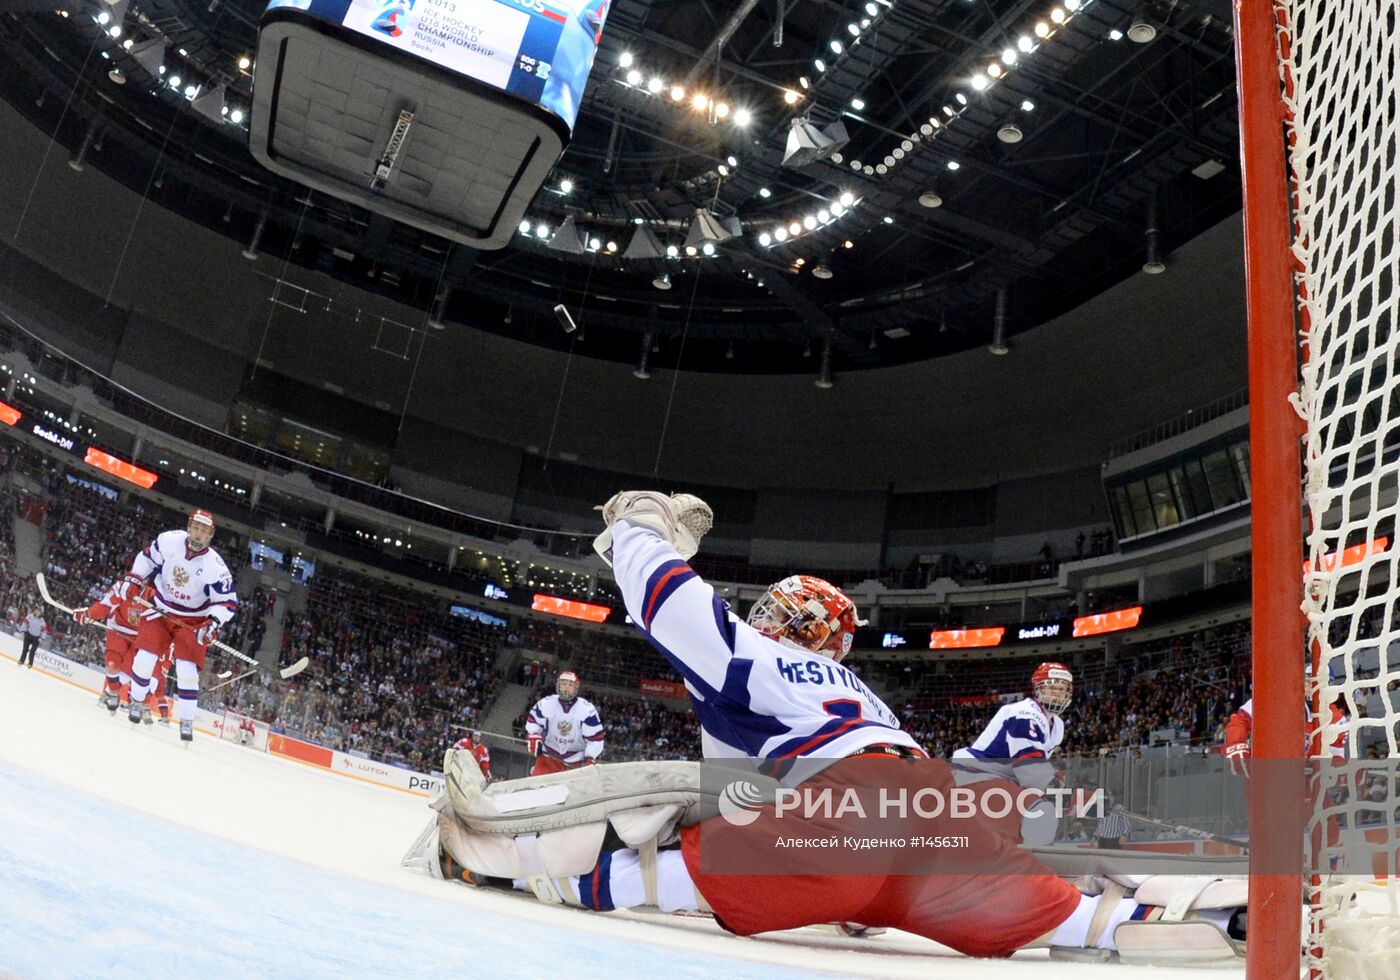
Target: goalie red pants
column 984, row 898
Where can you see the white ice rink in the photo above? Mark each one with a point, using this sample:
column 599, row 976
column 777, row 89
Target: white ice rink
column 124, row 854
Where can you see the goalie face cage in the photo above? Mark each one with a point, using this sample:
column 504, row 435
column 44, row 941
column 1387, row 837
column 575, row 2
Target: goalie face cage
column 1318, row 83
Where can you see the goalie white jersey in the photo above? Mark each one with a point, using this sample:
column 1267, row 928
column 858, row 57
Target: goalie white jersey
column 1015, row 745
column 755, row 697
column 571, row 733
column 192, row 584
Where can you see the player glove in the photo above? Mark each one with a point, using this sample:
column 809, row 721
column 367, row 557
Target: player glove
column 81, row 617
column 1237, row 756
column 682, row 520
column 129, row 586
column 532, row 742
column 207, row 633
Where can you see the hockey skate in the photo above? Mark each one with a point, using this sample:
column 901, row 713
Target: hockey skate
column 163, row 720
column 112, row 700
column 133, row 713
column 186, row 730
column 145, row 715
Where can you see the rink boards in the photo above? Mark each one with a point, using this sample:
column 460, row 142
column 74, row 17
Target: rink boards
column 212, row 723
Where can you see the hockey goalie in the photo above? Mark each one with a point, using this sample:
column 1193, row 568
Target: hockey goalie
column 771, row 694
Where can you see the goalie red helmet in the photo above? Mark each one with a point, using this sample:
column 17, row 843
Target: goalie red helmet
column 807, row 613
column 1052, row 685
column 566, row 686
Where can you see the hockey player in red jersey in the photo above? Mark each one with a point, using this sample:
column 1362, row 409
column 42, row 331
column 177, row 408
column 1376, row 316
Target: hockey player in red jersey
column 476, row 745
column 123, row 619
column 771, row 690
column 1239, row 732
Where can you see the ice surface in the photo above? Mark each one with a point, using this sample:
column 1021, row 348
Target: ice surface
column 122, row 853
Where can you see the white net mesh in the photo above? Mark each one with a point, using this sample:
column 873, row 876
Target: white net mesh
column 1341, row 69
column 244, row 730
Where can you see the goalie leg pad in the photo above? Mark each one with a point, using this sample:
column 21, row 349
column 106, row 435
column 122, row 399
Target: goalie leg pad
column 1187, row 921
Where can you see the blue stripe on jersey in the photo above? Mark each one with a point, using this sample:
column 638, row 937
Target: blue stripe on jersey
column 723, row 622
column 808, row 745
column 595, row 738
column 595, row 888
column 668, row 577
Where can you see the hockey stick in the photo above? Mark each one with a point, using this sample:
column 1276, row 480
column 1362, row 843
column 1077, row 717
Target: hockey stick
column 1184, row 831
column 235, row 680
column 285, row 672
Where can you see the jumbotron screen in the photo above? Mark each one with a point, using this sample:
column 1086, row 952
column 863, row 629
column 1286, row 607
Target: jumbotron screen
column 539, row 50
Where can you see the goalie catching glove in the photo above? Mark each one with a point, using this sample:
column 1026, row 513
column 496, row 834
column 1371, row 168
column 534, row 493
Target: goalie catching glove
column 683, row 519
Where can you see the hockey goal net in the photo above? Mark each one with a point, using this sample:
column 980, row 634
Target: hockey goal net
column 244, row 730
column 1318, row 83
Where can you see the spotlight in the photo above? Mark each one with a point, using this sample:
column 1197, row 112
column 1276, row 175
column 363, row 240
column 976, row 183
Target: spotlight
column 742, row 117
column 887, row 220
column 857, row 103
column 781, row 235
column 837, row 47
column 765, row 239
column 700, row 102
column 818, row 64
column 809, row 222
column 678, row 93
column 1042, row 29
column 847, row 199
column 672, row 251
column 566, row 186
column 838, row 209
column 764, row 192
column 1027, row 105
column 722, row 110
column 821, row 271
column 634, row 77
column 1024, row 44
column 980, row 82
column 953, row 165
column 244, row 63
column 654, row 86
column 625, row 59
column 663, row 281
column 790, row 97
column 930, row 199
column 708, row 248
column 795, row 228
column 1115, row 35
column 236, row 116
column 823, row 216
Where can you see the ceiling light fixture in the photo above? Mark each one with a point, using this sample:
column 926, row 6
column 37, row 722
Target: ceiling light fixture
column 1142, row 31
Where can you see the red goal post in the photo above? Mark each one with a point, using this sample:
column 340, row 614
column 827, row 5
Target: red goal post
column 1318, row 88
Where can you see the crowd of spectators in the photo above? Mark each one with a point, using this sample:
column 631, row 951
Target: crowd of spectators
column 395, row 672
column 392, row 671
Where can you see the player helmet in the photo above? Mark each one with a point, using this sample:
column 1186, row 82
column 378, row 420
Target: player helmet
column 476, row 736
column 1052, row 685
column 807, row 613
column 566, row 686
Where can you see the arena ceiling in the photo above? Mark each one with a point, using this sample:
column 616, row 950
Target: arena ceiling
column 1112, row 136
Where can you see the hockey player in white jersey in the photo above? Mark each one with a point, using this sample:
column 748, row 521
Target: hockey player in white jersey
column 563, row 730
column 194, row 598
column 772, row 689
column 1013, row 752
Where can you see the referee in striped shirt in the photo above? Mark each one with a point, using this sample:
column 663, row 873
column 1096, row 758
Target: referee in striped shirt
column 1112, row 827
